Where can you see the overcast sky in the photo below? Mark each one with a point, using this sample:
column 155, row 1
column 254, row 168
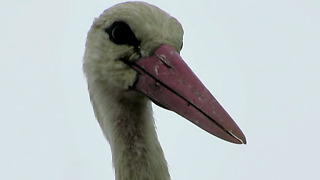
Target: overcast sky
column 260, row 59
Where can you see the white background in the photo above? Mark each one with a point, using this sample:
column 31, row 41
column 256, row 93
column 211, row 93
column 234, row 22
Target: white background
column 259, row 58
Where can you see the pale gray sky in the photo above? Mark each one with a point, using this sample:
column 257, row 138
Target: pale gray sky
column 259, row 58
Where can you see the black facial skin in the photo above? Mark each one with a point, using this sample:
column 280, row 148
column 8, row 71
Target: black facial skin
column 120, row 33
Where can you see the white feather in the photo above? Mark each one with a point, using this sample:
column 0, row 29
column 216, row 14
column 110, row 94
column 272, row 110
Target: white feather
column 125, row 116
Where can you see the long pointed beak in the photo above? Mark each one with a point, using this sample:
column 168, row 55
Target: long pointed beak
column 168, row 81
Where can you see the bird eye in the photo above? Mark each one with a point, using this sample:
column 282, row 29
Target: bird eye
column 120, row 33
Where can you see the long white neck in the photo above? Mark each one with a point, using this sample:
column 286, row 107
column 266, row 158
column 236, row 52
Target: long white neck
column 126, row 119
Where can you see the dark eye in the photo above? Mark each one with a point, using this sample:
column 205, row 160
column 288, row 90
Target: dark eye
column 120, row 33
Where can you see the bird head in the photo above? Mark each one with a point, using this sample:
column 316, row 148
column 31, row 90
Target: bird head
column 128, row 32
column 135, row 46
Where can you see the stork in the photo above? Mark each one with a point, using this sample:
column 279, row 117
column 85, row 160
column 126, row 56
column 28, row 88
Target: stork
column 132, row 57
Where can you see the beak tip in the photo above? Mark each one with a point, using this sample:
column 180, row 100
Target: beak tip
column 242, row 139
column 238, row 137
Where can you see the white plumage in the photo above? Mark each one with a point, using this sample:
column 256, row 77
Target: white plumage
column 124, row 114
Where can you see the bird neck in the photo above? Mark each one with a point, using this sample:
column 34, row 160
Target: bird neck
column 128, row 124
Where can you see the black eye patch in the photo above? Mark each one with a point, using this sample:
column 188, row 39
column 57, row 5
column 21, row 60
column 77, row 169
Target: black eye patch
column 120, row 33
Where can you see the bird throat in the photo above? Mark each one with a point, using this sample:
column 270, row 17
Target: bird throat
column 131, row 132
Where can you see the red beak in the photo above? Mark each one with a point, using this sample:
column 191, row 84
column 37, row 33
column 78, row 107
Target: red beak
column 168, row 81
